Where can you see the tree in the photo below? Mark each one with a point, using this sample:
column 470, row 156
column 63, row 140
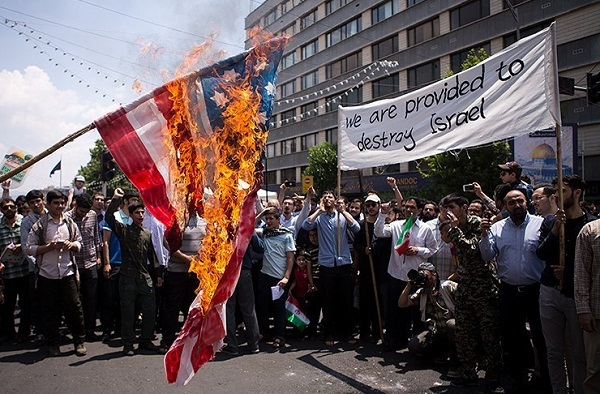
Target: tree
column 448, row 171
column 92, row 171
column 322, row 165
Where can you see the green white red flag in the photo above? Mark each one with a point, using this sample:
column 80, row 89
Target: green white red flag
column 295, row 315
column 404, row 238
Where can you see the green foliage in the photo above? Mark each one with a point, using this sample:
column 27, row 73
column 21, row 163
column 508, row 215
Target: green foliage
column 322, row 165
column 92, row 172
column 450, row 170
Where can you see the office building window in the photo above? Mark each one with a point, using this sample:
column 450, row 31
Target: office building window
column 457, row 59
column 385, row 86
column 383, row 11
column 334, row 5
column 337, row 68
column 271, row 177
column 288, row 60
column 385, row 48
column 308, row 141
column 288, row 146
column 309, row 110
column 288, row 89
column 286, row 6
column 468, row 13
column 341, row 33
column 309, row 80
column 353, row 97
column 308, row 19
column 423, row 74
column 289, row 174
column 271, row 16
column 288, row 116
column 270, row 150
column 410, row 3
column 310, row 49
column 290, row 30
column 331, row 135
column 423, row 32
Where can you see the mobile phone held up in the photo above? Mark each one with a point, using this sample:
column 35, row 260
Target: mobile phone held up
column 290, row 183
column 468, row 187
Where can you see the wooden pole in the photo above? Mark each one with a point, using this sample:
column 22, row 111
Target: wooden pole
column 561, row 234
column 339, row 227
column 47, row 152
column 371, row 264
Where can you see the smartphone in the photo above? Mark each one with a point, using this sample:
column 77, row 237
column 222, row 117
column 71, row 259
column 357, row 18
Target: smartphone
column 290, row 183
column 468, row 187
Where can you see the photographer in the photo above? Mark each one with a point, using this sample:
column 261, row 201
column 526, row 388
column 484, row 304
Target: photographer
column 435, row 299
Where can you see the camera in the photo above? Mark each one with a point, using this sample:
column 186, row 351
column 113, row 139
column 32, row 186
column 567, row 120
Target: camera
column 289, row 183
column 418, row 278
column 468, row 187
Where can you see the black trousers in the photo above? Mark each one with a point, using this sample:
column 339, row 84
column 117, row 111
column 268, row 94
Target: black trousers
column 58, row 296
column 88, row 292
column 178, row 293
column 338, row 292
column 12, row 288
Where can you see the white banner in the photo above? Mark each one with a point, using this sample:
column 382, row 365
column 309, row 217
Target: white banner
column 511, row 93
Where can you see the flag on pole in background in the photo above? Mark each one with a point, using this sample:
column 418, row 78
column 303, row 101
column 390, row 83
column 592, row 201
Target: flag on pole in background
column 56, row 168
column 191, row 146
column 404, row 238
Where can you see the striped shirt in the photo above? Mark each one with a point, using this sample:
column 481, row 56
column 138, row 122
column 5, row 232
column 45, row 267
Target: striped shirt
column 12, row 235
column 87, row 257
column 587, row 270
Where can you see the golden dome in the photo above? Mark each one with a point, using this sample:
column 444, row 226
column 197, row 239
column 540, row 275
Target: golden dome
column 543, row 151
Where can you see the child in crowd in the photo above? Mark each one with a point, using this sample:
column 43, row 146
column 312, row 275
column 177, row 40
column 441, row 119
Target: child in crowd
column 300, row 285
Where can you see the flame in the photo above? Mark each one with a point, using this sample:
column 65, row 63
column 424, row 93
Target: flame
column 214, row 160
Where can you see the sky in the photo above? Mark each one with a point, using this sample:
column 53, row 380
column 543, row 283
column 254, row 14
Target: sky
column 66, row 63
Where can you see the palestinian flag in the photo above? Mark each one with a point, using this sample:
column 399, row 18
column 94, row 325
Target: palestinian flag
column 295, row 315
column 404, row 238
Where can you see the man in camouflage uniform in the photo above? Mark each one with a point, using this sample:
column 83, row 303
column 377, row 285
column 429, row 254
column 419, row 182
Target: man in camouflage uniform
column 476, row 297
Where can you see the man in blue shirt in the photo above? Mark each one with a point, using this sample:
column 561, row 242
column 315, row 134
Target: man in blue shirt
column 513, row 242
column 332, row 223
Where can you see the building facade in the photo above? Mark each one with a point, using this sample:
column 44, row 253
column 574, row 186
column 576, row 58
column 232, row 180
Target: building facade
column 353, row 51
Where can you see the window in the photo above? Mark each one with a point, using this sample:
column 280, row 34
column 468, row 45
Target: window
column 410, row 3
column 337, row 68
column 310, row 49
column 288, row 116
column 386, row 85
column 288, row 60
column 423, row 74
column 468, row 13
column 423, row 32
column 270, row 150
column 334, row 5
column 383, row 11
column 290, row 30
column 341, row 33
column 288, row 174
column 353, row 97
column 308, row 19
column 512, row 38
column 308, row 141
column 309, row 80
column 271, row 177
column 385, row 48
column 271, row 17
column 457, row 59
column 331, row 135
column 288, row 89
column 309, row 110
column 288, row 146
column 286, row 6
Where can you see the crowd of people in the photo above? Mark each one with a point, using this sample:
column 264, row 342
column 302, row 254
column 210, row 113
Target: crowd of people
column 479, row 284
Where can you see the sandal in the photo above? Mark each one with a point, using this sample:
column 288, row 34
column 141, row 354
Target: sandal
column 278, row 343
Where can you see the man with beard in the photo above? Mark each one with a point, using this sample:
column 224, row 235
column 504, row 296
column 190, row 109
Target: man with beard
column 288, row 219
column 429, row 211
column 335, row 265
column 557, row 300
column 513, row 241
column 363, row 244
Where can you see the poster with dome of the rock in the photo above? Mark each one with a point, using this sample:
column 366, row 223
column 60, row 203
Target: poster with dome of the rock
column 536, row 153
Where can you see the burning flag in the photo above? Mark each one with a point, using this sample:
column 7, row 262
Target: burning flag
column 194, row 145
column 404, row 238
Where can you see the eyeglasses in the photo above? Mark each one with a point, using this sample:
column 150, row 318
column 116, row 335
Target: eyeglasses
column 7, row 207
column 370, row 204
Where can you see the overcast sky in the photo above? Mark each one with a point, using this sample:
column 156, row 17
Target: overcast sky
column 53, row 49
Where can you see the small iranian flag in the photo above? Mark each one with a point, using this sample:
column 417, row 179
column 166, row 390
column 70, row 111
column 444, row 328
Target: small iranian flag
column 404, row 238
column 294, row 314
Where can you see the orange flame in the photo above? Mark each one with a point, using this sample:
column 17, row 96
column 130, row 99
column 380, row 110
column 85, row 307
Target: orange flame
column 214, row 160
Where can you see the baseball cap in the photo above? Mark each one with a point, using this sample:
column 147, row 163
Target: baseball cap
column 512, row 166
column 80, row 178
column 374, row 198
column 427, row 266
